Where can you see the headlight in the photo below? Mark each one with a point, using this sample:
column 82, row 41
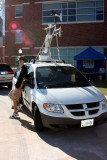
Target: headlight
column 53, row 107
column 104, row 103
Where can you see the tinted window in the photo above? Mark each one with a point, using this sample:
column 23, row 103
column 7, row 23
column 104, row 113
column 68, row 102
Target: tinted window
column 31, row 77
column 4, row 67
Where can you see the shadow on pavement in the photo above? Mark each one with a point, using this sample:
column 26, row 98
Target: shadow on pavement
column 4, row 91
column 26, row 112
column 25, row 123
column 79, row 143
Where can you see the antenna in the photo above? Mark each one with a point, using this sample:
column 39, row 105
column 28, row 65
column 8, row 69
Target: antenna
column 56, row 15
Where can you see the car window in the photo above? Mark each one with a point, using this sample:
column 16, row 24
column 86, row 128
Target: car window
column 4, row 67
column 31, row 69
column 31, row 75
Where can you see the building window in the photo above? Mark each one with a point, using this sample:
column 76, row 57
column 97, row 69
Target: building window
column 19, row 11
column 67, row 54
column 74, row 11
column 19, row 36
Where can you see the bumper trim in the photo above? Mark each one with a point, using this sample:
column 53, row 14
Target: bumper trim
column 49, row 121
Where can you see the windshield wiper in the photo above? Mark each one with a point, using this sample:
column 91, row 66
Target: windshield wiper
column 75, row 84
column 66, row 84
column 52, row 85
column 61, row 84
column 81, row 84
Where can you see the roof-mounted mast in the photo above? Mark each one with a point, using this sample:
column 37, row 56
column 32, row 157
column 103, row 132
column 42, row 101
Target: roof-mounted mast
column 51, row 32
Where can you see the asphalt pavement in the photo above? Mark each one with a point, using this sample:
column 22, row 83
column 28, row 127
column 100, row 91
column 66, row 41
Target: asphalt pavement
column 19, row 141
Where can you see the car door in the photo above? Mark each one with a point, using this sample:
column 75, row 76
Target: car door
column 28, row 92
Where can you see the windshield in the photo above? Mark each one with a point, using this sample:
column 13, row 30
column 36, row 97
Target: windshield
column 60, row 77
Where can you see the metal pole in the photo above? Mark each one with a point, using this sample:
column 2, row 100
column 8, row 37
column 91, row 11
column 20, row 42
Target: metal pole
column 3, row 49
column 57, row 46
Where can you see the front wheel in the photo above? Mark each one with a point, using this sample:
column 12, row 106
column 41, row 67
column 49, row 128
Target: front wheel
column 38, row 125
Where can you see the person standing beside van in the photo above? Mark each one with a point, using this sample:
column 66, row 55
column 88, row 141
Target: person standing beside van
column 15, row 94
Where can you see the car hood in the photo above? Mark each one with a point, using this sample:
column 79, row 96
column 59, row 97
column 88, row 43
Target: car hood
column 71, row 95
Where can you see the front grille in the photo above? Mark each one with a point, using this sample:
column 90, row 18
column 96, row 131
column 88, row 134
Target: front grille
column 83, row 109
column 74, row 106
column 92, row 105
column 93, row 111
column 81, row 113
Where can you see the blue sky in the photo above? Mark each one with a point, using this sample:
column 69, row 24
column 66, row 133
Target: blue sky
column 3, row 14
column 1, row 2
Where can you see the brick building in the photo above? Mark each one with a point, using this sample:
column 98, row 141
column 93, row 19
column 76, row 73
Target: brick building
column 84, row 24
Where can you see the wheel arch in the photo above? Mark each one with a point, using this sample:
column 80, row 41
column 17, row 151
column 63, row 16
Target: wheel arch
column 33, row 106
column 38, row 124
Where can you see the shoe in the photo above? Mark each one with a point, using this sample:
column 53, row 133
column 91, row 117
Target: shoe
column 19, row 108
column 13, row 116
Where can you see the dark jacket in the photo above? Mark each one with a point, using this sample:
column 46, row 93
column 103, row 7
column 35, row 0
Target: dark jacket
column 23, row 74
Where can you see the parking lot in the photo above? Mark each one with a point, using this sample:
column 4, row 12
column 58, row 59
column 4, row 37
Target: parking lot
column 19, row 141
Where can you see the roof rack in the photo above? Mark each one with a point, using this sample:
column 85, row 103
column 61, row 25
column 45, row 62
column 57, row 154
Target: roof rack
column 47, row 61
column 50, row 61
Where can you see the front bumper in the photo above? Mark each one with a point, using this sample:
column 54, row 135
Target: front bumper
column 49, row 121
column 5, row 83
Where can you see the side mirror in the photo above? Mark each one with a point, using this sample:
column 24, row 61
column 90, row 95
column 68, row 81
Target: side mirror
column 90, row 81
column 28, row 83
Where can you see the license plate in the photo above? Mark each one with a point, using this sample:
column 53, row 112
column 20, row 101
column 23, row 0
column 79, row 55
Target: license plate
column 88, row 122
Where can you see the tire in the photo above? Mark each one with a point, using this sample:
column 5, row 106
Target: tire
column 9, row 85
column 21, row 100
column 38, row 125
